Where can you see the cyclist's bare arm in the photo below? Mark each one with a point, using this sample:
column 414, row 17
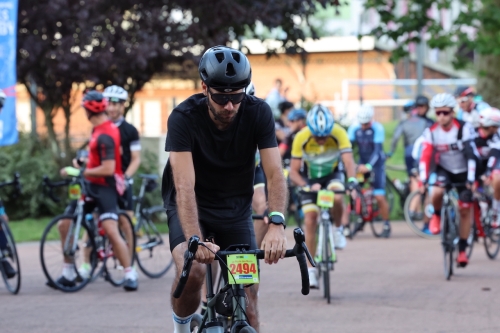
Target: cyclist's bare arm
column 350, row 165
column 295, row 176
column 274, row 243
column 106, row 169
column 184, row 180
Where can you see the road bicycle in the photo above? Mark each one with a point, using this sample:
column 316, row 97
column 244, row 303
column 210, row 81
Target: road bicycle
column 364, row 209
column 242, row 267
column 85, row 241
column 449, row 228
column 8, row 254
column 152, row 250
column 326, row 256
column 483, row 226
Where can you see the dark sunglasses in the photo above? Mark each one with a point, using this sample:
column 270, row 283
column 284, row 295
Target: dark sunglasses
column 223, row 99
column 443, row 113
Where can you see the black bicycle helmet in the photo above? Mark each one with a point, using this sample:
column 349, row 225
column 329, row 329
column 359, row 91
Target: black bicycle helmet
column 463, row 91
column 225, row 69
column 421, row 100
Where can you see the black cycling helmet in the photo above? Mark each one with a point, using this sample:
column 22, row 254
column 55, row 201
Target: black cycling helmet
column 421, row 100
column 463, row 91
column 225, row 69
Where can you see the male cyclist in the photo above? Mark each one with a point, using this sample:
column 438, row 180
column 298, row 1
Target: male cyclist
column 449, row 143
column 208, row 180
column 297, row 121
column 488, row 146
column 469, row 109
column 321, row 145
column 282, row 126
column 369, row 136
column 411, row 129
column 105, row 180
column 130, row 147
column 8, row 269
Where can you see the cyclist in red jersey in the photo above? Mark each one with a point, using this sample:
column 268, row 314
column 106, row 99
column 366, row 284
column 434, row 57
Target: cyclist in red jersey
column 105, row 177
column 451, row 143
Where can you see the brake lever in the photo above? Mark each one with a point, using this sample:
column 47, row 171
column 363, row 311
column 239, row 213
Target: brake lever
column 308, row 255
column 300, row 244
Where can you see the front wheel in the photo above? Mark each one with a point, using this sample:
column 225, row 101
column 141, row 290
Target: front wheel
column 9, row 257
column 114, row 271
column 491, row 239
column 152, row 250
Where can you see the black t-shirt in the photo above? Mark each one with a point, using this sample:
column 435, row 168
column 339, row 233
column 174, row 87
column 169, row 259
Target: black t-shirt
column 224, row 161
column 129, row 141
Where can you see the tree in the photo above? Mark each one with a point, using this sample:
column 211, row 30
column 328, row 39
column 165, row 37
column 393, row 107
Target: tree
column 475, row 30
column 66, row 44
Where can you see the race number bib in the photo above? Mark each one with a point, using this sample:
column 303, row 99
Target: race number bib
column 325, row 199
column 244, row 269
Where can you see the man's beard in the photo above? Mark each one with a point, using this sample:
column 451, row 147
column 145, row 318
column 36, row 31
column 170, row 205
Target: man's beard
column 217, row 116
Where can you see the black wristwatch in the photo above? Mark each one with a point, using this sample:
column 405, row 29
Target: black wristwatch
column 277, row 219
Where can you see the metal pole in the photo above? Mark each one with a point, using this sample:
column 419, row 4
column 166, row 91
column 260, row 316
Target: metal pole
column 33, row 90
column 360, row 73
column 420, row 64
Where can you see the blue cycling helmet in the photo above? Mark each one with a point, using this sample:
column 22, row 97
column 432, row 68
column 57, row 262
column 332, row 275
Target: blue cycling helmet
column 320, row 120
column 297, row 114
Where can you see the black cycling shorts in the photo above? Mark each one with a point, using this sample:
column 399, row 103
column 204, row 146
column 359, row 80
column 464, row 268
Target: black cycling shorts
column 105, row 198
column 126, row 201
column 310, row 198
column 224, row 234
column 444, row 177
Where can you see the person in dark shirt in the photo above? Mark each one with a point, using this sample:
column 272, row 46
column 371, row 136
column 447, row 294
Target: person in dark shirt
column 130, row 148
column 105, row 177
column 282, row 126
column 297, row 121
column 208, row 180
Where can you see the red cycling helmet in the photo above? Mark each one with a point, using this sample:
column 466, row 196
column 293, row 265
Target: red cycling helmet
column 93, row 101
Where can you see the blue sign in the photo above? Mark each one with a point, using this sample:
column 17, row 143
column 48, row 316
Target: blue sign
column 8, row 79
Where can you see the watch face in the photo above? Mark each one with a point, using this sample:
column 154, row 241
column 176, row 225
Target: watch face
column 276, row 219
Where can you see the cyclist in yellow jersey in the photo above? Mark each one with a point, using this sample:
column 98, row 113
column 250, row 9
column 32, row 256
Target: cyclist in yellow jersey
column 320, row 146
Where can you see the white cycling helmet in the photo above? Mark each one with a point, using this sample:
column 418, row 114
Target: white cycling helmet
column 365, row 114
column 490, row 117
column 443, row 100
column 115, row 94
column 250, row 90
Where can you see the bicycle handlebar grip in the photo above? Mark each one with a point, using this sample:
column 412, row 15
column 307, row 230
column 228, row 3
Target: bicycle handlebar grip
column 304, row 274
column 188, row 262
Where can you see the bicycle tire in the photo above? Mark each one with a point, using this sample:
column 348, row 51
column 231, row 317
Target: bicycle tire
column 325, row 265
column 448, row 235
column 195, row 324
column 389, row 193
column 13, row 284
column 149, row 240
column 356, row 222
column 377, row 224
column 50, row 252
column 491, row 240
column 413, row 223
column 114, row 272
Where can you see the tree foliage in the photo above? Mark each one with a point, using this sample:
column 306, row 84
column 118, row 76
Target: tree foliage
column 475, row 29
column 64, row 44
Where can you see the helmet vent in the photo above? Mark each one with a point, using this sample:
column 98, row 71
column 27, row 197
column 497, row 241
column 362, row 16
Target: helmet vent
column 230, row 70
column 220, row 56
column 236, row 56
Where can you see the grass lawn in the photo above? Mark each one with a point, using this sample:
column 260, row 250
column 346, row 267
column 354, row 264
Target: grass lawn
column 31, row 229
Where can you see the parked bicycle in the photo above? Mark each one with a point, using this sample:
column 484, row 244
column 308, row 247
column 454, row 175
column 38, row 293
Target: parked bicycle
column 9, row 258
column 242, row 270
column 85, row 240
column 152, row 250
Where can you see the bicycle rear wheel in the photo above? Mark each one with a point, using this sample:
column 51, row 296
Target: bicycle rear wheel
column 153, row 250
column 491, row 239
column 356, row 222
column 416, row 222
column 9, row 256
column 114, row 272
column 52, row 254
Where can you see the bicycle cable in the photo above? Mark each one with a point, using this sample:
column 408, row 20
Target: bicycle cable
column 233, row 296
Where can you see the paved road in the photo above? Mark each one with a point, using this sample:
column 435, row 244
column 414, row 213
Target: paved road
column 394, row 285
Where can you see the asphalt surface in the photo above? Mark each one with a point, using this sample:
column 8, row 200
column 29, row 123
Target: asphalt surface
column 379, row 285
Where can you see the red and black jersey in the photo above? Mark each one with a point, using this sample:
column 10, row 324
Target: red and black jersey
column 104, row 145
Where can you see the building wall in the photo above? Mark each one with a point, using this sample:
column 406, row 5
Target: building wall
column 319, row 80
